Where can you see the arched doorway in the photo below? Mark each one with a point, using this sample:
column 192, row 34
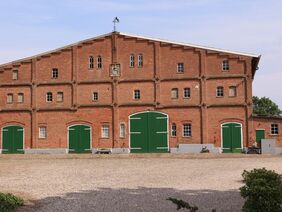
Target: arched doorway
column 231, row 137
column 12, row 139
column 79, row 138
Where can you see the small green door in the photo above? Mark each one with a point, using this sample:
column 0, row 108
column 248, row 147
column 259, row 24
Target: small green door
column 231, row 138
column 12, row 139
column 79, row 139
column 260, row 134
column 148, row 132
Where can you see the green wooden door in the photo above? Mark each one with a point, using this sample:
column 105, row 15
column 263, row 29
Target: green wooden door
column 148, row 132
column 79, row 139
column 12, row 139
column 231, row 138
column 260, row 134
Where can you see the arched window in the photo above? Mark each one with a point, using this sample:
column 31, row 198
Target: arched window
column 91, row 62
column 140, row 60
column 99, row 62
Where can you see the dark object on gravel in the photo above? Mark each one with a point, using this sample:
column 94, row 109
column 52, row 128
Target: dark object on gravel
column 182, row 204
column 253, row 150
column 205, row 150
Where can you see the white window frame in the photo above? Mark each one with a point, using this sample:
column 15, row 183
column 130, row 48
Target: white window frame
column 131, row 60
column 122, row 130
column 174, row 93
column 10, row 98
column 187, row 132
column 20, row 97
column 173, row 130
column 234, row 90
column 180, row 68
column 55, row 73
column 188, row 92
column 15, row 75
column 42, row 132
column 136, row 94
column 60, row 96
column 218, row 88
column 274, row 129
column 225, row 65
column 99, row 62
column 95, row 96
column 91, row 62
column 105, row 131
column 140, row 60
column 49, row 97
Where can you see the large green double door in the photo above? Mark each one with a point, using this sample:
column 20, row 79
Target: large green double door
column 12, row 139
column 79, row 139
column 232, row 138
column 148, row 132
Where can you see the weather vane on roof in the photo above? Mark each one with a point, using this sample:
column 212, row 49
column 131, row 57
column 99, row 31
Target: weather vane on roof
column 116, row 20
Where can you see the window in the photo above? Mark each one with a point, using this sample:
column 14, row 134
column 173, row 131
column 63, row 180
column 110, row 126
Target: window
column 131, row 61
column 20, row 97
column 42, row 132
column 225, row 65
column 91, row 62
column 49, row 97
column 219, row 91
column 187, row 130
column 99, row 62
column 9, row 98
column 15, row 75
column 60, row 97
column 180, row 68
column 140, row 60
column 95, row 96
column 105, row 131
column 174, row 93
column 232, row 91
column 55, row 73
column 122, row 130
column 137, row 94
column 173, row 130
column 186, row 93
column 274, row 129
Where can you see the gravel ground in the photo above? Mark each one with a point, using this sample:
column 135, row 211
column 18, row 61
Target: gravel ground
column 128, row 182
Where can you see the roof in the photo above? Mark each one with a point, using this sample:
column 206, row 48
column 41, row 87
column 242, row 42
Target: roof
column 266, row 117
column 136, row 36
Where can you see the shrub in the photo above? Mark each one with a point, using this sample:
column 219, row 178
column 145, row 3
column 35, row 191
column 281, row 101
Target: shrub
column 9, row 202
column 262, row 191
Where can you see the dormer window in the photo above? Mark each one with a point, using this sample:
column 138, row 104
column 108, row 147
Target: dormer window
column 225, row 65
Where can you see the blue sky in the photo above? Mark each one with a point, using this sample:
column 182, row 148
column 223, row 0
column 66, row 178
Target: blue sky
column 29, row 27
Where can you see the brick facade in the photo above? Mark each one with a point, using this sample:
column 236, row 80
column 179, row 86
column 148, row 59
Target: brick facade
column 155, row 79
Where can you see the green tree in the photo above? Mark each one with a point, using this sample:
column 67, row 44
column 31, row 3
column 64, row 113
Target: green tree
column 265, row 107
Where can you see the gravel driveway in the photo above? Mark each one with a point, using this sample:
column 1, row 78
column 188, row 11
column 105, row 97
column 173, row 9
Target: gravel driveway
column 128, row 183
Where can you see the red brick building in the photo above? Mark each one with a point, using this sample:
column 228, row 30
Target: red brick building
column 130, row 93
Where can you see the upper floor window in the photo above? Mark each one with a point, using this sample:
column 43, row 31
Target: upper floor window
column 55, row 73
column 105, row 131
column 186, row 92
column 99, row 62
column 60, row 97
column 174, row 93
column 15, row 75
column 9, row 98
column 95, row 96
column 20, row 97
column 91, row 62
column 225, row 65
column 140, row 60
column 137, row 94
column 274, row 129
column 122, row 130
column 180, row 68
column 42, row 132
column 49, row 97
column 131, row 61
column 173, row 130
column 219, row 91
column 187, row 130
column 232, row 91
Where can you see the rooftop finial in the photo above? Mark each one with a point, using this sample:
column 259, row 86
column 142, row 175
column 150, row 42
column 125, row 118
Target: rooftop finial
column 116, row 20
